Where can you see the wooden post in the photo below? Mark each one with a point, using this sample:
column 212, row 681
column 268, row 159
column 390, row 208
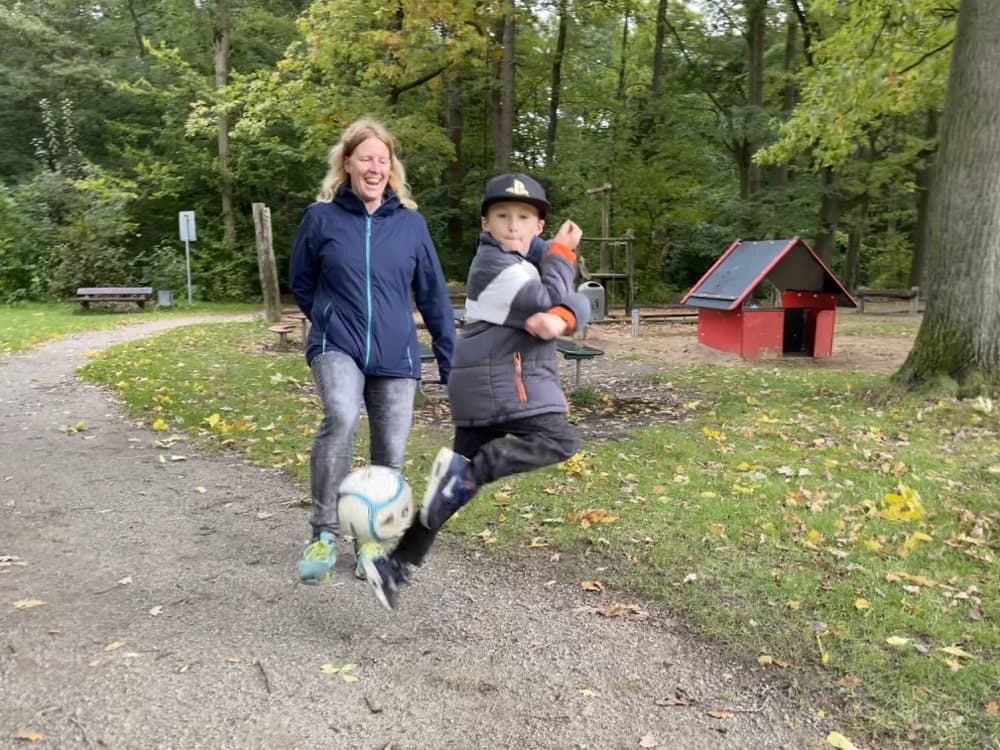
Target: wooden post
column 265, row 263
column 629, row 269
column 605, row 192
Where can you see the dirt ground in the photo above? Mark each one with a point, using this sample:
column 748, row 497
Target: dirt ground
column 669, row 342
column 148, row 600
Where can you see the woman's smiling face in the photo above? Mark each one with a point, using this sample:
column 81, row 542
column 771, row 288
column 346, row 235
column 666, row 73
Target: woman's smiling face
column 369, row 166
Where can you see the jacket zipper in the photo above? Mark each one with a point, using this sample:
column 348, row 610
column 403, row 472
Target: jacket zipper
column 368, row 287
column 522, row 393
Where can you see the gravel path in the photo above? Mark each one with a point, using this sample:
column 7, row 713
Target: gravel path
column 172, row 619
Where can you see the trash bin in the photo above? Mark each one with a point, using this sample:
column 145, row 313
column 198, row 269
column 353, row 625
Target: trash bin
column 164, row 298
column 594, row 292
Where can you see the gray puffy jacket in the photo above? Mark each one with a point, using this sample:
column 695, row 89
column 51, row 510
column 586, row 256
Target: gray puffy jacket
column 500, row 372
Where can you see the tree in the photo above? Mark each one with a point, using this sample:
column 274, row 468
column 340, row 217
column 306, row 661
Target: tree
column 960, row 333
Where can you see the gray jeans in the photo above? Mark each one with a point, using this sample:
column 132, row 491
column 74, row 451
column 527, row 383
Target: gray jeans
column 343, row 389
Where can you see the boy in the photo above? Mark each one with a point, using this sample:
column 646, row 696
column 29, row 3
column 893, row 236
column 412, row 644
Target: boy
column 506, row 401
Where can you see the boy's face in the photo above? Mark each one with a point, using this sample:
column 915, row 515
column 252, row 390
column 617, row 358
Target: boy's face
column 513, row 224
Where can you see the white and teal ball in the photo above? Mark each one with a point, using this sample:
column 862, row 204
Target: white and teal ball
column 375, row 503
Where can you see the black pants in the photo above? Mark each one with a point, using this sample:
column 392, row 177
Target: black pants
column 498, row 451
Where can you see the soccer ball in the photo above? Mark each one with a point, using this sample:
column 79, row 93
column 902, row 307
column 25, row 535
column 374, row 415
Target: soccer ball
column 375, row 503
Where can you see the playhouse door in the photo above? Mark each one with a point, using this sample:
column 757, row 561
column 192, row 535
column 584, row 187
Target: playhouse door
column 794, row 341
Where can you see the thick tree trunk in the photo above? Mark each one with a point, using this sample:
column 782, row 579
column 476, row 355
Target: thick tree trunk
column 960, row 333
column 557, row 60
column 925, row 178
column 504, row 130
column 221, row 39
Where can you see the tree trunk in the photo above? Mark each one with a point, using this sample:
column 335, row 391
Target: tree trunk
column 557, row 60
column 454, row 123
column 756, row 39
column 656, row 88
column 829, row 217
column 504, row 132
column 925, row 178
column 960, row 333
column 221, row 38
column 789, row 93
column 855, row 236
column 624, row 57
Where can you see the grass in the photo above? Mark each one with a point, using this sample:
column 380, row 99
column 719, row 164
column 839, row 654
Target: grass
column 841, row 533
column 26, row 325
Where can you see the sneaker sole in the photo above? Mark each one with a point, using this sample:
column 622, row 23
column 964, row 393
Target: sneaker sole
column 438, row 471
column 314, row 577
column 374, row 580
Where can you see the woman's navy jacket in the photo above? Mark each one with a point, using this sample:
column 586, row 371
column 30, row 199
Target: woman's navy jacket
column 356, row 277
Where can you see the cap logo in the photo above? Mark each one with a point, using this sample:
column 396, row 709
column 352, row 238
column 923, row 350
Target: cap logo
column 517, row 188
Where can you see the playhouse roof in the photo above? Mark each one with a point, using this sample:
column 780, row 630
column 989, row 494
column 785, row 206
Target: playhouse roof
column 788, row 264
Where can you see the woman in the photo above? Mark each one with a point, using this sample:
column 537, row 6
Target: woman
column 361, row 253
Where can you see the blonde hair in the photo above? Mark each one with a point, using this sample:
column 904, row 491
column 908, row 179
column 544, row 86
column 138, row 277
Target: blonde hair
column 355, row 134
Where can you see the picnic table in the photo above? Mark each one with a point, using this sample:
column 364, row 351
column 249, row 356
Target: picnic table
column 137, row 294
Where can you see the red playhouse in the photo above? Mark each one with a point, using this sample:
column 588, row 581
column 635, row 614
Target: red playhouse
column 729, row 319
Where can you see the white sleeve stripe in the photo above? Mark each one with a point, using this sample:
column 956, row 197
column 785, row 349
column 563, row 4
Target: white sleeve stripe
column 494, row 302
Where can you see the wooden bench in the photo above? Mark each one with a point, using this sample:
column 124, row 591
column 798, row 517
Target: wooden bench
column 282, row 331
column 137, row 294
column 299, row 316
column 577, row 352
column 912, row 294
column 437, row 400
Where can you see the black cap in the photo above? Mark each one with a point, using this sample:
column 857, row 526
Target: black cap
column 515, row 187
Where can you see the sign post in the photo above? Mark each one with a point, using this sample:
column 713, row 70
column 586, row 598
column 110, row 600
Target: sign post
column 186, row 220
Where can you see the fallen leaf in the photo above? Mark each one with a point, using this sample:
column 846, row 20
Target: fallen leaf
column 29, row 736
column 160, row 424
column 840, row 741
column 849, row 681
column 861, row 603
column 993, row 707
column 720, row 714
column 679, row 698
column 956, row 651
column 895, row 640
column 114, row 645
column 591, row 586
column 766, row 660
column 619, row 609
column 28, row 603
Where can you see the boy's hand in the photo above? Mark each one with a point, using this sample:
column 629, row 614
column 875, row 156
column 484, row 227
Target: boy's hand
column 545, row 326
column 569, row 234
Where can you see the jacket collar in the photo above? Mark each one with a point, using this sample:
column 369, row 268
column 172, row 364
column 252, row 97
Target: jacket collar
column 347, row 199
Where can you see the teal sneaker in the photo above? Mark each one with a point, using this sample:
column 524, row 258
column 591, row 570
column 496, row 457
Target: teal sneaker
column 317, row 560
